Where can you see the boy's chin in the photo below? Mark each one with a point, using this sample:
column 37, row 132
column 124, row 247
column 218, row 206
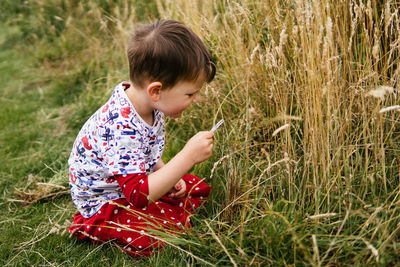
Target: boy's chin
column 176, row 115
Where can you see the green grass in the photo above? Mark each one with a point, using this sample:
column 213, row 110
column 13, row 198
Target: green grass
column 34, row 148
column 36, row 135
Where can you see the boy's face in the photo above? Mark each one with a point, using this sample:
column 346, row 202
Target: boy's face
column 173, row 101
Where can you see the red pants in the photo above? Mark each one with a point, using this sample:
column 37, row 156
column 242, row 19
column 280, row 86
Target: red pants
column 135, row 230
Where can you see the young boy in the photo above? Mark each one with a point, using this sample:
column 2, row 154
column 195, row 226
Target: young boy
column 118, row 181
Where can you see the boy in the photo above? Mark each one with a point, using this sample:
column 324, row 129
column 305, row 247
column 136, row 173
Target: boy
column 117, row 177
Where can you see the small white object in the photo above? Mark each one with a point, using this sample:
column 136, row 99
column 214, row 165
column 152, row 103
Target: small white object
column 283, row 127
column 396, row 107
column 216, row 126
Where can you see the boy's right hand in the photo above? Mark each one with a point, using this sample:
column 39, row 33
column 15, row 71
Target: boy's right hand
column 199, row 147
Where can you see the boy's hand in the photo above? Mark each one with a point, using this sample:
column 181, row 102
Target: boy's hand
column 179, row 190
column 199, row 147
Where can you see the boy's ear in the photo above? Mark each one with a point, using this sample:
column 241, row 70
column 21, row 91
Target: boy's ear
column 154, row 91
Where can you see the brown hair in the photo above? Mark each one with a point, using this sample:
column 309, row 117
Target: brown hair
column 168, row 51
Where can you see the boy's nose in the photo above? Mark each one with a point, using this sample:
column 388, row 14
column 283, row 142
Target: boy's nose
column 195, row 99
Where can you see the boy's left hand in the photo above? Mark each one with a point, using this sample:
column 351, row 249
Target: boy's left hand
column 179, row 190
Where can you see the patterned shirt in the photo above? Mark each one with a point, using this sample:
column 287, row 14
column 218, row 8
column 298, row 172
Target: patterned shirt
column 114, row 141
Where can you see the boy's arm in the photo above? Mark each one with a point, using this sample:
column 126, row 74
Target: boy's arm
column 196, row 150
column 159, row 165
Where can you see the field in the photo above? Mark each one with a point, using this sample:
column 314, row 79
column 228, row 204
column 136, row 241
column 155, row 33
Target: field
column 305, row 170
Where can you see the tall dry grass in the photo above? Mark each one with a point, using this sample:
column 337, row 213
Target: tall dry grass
column 323, row 70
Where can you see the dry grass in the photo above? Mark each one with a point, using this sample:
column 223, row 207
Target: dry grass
column 317, row 61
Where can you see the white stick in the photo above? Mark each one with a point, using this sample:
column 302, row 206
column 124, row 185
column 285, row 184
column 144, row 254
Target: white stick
column 216, row 126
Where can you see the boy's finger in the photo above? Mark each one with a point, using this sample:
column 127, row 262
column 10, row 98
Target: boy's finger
column 180, row 193
column 208, row 134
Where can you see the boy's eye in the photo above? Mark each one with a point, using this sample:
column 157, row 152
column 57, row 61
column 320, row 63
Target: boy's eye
column 190, row 95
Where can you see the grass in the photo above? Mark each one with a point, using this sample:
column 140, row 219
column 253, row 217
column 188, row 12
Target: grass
column 322, row 191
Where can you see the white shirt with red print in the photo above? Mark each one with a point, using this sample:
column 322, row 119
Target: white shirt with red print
column 114, row 141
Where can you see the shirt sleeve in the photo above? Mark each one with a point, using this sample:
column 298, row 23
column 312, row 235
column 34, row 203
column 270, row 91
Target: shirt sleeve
column 135, row 188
